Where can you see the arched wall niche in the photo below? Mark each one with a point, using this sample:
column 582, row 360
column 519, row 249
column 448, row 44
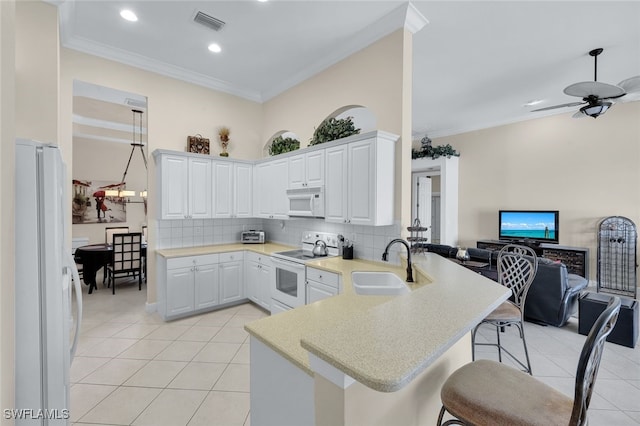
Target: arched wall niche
column 363, row 118
column 283, row 133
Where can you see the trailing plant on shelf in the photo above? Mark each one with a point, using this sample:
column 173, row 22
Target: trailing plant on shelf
column 332, row 129
column 281, row 145
column 426, row 150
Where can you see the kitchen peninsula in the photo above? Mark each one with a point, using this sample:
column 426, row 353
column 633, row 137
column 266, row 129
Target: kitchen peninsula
column 354, row 359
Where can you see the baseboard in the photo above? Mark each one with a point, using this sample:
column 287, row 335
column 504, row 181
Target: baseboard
column 150, row 307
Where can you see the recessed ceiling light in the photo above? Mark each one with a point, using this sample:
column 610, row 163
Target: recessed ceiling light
column 215, row 48
column 128, row 15
column 263, row 1
column 534, row 102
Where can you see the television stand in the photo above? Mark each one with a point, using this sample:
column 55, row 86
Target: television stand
column 575, row 258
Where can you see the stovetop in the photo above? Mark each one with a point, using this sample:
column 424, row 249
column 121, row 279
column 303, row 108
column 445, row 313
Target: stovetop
column 305, row 254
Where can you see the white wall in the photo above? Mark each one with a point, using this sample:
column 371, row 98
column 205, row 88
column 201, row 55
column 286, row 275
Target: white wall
column 587, row 169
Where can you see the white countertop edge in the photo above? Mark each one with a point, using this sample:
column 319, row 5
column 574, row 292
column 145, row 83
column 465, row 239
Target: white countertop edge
column 397, row 383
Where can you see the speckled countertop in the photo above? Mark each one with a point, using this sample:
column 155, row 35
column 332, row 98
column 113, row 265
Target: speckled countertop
column 383, row 341
column 267, row 248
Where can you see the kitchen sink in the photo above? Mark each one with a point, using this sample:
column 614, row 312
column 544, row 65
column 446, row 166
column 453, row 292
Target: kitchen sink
column 378, row 284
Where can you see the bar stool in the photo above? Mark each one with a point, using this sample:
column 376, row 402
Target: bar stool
column 517, row 267
column 491, row 393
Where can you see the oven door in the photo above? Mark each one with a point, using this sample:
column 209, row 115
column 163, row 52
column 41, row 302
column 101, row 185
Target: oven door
column 287, row 284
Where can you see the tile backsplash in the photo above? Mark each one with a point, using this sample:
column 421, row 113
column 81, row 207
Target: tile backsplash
column 369, row 241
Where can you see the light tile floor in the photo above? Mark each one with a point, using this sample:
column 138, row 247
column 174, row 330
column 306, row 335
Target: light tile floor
column 132, row 368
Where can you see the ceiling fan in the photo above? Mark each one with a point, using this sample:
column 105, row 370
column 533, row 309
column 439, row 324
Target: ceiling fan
column 598, row 97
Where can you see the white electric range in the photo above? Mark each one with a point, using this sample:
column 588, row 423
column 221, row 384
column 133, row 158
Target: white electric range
column 289, row 278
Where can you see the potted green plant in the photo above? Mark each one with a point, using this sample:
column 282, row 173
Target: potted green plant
column 280, row 145
column 426, row 150
column 332, row 129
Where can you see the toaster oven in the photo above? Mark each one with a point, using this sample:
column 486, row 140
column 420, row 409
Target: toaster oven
column 252, row 237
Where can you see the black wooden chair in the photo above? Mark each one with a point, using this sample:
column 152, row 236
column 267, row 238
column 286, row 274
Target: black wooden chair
column 109, row 231
column 127, row 258
column 486, row 392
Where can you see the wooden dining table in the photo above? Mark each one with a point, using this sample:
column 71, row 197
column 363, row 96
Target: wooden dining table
column 96, row 256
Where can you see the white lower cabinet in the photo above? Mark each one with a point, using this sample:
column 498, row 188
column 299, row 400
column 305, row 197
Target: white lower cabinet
column 188, row 284
column 257, row 278
column 231, row 277
column 321, row 284
column 206, row 286
column 194, row 284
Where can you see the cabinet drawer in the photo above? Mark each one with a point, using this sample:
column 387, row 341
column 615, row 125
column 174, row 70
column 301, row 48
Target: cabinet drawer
column 328, row 278
column 185, row 262
column 231, row 256
column 258, row 257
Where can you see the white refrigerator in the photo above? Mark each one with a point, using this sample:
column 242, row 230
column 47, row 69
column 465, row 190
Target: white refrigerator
column 44, row 274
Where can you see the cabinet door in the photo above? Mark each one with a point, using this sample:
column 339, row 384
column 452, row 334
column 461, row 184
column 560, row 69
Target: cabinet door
column 318, row 291
column 264, row 287
column 251, row 277
column 335, row 184
column 174, row 181
column 222, row 189
column 315, row 168
column 199, row 188
column 231, row 287
column 361, row 183
column 180, row 291
column 278, row 190
column 297, row 177
column 243, row 188
column 206, row 286
column 264, row 191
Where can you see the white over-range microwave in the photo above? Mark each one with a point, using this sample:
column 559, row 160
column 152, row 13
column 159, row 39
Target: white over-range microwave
column 306, row 202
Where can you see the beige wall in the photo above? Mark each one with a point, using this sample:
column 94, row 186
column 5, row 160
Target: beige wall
column 377, row 77
column 7, row 155
column 176, row 110
column 587, row 169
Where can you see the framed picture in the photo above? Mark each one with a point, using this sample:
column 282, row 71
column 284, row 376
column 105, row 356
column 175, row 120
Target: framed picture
column 91, row 205
column 198, row 144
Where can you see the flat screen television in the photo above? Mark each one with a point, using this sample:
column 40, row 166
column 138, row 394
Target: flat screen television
column 535, row 226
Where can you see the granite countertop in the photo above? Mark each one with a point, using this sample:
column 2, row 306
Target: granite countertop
column 267, row 249
column 383, row 341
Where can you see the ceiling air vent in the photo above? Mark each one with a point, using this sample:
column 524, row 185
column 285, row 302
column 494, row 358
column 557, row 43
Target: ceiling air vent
column 209, row 21
column 135, row 102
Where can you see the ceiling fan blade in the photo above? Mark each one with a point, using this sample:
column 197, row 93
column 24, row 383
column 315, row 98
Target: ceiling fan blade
column 585, row 89
column 571, row 104
column 631, row 85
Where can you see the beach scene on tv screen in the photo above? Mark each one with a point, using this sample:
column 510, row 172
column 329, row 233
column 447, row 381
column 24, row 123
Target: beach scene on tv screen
column 534, row 225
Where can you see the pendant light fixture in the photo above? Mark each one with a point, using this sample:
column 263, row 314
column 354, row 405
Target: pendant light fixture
column 122, row 193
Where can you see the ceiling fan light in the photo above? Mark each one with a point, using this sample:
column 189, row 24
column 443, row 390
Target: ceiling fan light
column 596, row 109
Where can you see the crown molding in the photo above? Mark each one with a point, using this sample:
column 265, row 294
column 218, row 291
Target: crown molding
column 414, row 20
column 405, row 16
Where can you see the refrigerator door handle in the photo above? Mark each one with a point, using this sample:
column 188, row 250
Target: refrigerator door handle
column 71, row 265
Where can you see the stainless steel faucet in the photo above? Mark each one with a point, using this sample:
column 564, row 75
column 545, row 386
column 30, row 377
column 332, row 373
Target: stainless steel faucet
column 406, row 244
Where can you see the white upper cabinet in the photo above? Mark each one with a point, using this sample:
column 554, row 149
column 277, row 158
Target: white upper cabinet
column 232, row 185
column 271, row 180
column 306, row 170
column 360, row 181
column 185, row 185
column 243, row 190
column 222, row 189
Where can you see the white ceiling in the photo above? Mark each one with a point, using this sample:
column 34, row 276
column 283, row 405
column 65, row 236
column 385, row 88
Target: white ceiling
column 475, row 63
